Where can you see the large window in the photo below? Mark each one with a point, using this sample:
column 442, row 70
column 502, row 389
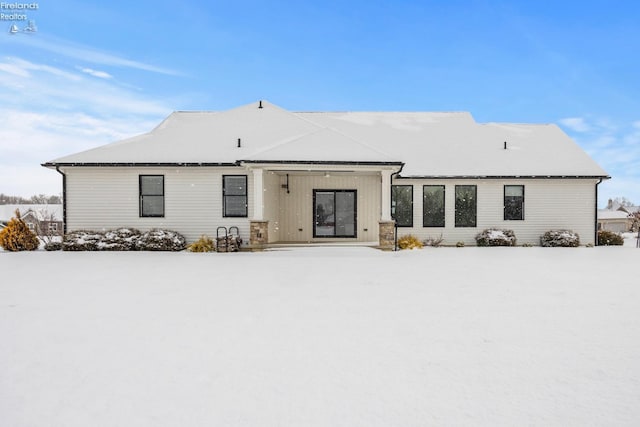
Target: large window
column 152, row 195
column 433, row 206
column 513, row 202
column 234, row 191
column 334, row 213
column 402, row 205
column 466, row 206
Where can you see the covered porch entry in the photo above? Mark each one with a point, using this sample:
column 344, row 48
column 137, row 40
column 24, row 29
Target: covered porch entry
column 321, row 203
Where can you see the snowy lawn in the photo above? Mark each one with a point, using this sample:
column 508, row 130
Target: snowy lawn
column 321, row 337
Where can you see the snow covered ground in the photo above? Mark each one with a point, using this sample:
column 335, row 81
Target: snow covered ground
column 321, row 336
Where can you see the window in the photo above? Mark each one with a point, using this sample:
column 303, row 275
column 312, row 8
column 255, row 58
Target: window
column 234, row 192
column 151, row 195
column 402, row 205
column 513, row 202
column 334, row 213
column 466, row 205
column 53, row 227
column 31, row 226
column 433, row 206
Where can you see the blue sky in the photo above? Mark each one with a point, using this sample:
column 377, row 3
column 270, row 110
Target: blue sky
column 96, row 72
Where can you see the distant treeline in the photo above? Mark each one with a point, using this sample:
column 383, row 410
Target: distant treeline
column 38, row 199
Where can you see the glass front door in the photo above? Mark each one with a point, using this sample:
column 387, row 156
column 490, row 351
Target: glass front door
column 334, row 213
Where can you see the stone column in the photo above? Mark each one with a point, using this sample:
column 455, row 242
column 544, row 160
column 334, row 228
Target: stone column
column 386, row 234
column 258, row 234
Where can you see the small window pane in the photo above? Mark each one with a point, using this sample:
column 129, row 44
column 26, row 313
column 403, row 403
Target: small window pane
column 433, row 206
column 152, row 206
column 151, row 185
column 466, row 206
column 402, row 205
column 235, row 185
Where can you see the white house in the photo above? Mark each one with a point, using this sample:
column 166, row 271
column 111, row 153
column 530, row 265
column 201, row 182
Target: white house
column 293, row 177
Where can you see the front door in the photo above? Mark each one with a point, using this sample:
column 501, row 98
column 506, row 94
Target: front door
column 334, row 213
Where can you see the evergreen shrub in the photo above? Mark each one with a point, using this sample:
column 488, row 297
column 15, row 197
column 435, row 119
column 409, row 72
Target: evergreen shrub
column 609, row 238
column 161, row 240
column 53, row 246
column 16, row 236
column 560, row 238
column 82, row 240
column 123, row 239
column 496, row 237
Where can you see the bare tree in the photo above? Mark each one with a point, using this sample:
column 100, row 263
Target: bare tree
column 47, row 224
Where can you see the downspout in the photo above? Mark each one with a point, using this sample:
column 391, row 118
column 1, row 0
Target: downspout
column 595, row 243
column 64, row 200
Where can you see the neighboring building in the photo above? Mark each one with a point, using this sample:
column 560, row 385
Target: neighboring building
column 45, row 220
column 286, row 177
column 617, row 221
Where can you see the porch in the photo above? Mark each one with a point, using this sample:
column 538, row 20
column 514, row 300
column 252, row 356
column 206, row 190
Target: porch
column 320, row 204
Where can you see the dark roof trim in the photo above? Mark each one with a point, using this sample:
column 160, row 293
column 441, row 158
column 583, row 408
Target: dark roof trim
column 148, row 164
column 321, row 162
column 442, row 177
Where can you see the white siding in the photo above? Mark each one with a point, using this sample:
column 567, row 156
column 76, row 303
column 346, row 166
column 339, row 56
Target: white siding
column 549, row 204
column 100, row 198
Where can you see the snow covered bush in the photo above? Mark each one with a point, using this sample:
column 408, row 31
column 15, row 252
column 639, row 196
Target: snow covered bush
column 560, row 238
column 161, row 240
column 121, row 239
column 495, row 237
column 53, row 246
column 609, row 238
column 17, row 236
column 459, row 244
column 82, row 240
column 204, row 244
column 409, row 241
column 124, row 239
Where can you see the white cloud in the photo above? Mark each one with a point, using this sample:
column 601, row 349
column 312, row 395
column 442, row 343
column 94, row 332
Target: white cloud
column 87, row 54
column 96, row 73
column 48, row 112
column 576, row 124
column 616, row 147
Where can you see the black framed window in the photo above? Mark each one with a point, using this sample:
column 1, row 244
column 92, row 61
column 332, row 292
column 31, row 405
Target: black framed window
column 234, row 195
column 335, row 213
column 402, row 205
column 466, row 205
column 513, row 202
column 152, row 195
column 433, row 206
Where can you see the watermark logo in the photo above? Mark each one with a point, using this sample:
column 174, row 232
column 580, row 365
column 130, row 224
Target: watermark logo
column 18, row 14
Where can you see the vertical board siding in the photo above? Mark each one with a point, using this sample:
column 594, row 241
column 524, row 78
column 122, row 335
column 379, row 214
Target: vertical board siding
column 296, row 207
column 272, row 193
column 108, row 197
column 548, row 204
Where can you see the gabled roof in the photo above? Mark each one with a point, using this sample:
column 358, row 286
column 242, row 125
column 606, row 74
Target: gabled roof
column 611, row 214
column 428, row 144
